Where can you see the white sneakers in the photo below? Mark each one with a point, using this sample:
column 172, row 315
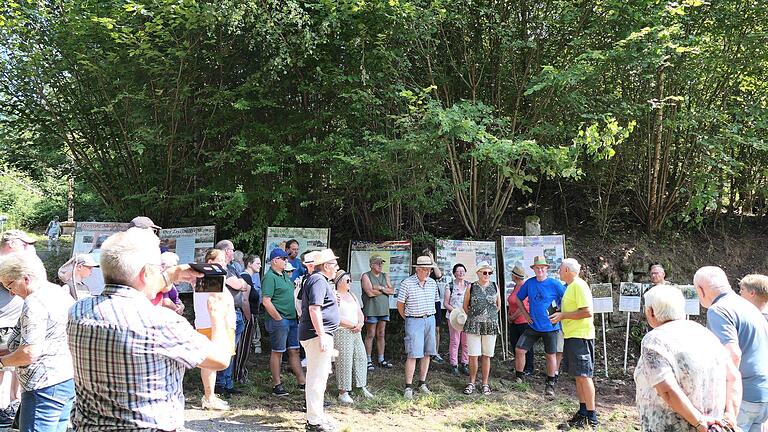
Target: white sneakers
column 214, row 404
column 408, row 393
column 366, row 394
column 346, row 399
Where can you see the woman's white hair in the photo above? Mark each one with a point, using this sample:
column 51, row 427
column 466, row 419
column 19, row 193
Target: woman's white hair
column 18, row 264
column 169, row 259
column 124, row 255
column 667, row 303
column 572, row 265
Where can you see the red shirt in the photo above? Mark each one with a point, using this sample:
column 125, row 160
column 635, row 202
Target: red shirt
column 512, row 305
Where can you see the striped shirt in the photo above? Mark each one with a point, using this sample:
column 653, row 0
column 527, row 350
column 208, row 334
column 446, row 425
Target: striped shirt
column 129, row 358
column 419, row 299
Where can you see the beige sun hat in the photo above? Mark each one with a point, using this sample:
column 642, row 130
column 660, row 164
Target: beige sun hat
column 458, row 318
column 324, row 256
column 424, row 261
column 484, row 265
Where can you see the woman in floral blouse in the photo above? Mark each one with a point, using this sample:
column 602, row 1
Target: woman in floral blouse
column 482, row 303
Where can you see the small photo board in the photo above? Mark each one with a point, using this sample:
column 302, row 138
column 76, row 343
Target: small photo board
column 602, row 297
column 630, row 294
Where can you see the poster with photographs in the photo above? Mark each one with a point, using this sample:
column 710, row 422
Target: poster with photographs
column 692, row 305
column 88, row 234
column 309, row 239
column 470, row 253
column 630, row 294
column 602, row 297
column 397, row 263
column 520, row 250
column 190, row 244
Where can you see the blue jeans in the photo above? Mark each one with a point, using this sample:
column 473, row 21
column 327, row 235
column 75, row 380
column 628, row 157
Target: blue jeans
column 224, row 378
column 47, row 409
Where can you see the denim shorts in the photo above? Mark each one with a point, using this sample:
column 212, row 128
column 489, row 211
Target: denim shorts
column 752, row 415
column 47, row 409
column 420, row 337
column 374, row 319
column 579, row 357
column 283, row 334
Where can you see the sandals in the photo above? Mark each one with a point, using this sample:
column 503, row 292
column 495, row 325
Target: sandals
column 385, row 364
column 469, row 389
column 371, row 366
column 486, row 389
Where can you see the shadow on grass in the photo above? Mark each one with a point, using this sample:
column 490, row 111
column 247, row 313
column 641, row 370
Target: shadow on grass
column 501, row 423
column 241, row 423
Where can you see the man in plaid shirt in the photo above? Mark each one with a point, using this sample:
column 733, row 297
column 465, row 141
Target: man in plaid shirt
column 130, row 356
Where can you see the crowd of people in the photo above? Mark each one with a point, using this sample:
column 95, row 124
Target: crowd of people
column 116, row 358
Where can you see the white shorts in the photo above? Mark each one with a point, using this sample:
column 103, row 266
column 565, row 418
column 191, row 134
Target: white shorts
column 481, row 345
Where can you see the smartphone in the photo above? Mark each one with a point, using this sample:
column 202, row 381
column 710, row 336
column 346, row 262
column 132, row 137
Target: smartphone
column 210, row 284
column 213, row 279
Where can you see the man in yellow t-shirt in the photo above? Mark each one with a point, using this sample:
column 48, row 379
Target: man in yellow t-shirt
column 579, row 347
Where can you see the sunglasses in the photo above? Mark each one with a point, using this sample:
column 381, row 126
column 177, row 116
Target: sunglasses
column 486, row 273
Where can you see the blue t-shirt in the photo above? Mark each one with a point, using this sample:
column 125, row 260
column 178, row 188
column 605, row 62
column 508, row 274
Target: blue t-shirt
column 734, row 319
column 540, row 297
column 299, row 269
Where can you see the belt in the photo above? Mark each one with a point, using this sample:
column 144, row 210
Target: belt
column 420, row 316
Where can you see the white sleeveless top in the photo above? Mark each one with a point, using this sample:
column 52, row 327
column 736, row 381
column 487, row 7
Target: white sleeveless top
column 348, row 309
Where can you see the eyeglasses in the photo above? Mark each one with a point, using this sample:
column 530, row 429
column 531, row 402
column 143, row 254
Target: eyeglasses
column 486, row 273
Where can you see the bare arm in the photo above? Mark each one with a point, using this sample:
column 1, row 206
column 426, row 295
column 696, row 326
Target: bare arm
column 521, row 309
column 365, row 283
column 24, row 355
column 734, row 353
column 389, row 289
column 401, row 309
column 581, row 313
column 733, row 392
column 447, row 300
column 316, row 315
column 219, row 352
column 467, row 294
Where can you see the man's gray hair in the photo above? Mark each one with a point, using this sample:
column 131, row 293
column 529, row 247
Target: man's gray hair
column 224, row 244
column 124, row 255
column 572, row 265
column 712, row 278
column 667, row 303
column 17, row 264
column 755, row 283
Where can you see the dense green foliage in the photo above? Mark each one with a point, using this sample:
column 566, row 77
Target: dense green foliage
column 380, row 118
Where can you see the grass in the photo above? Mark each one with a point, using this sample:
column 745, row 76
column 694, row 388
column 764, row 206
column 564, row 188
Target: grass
column 511, row 406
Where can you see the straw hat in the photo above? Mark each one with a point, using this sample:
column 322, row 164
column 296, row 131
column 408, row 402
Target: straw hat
column 457, row 319
column 425, row 261
column 539, row 260
column 484, row 265
column 324, row 256
column 518, row 271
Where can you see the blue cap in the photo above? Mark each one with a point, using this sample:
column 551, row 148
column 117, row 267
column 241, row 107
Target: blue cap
column 277, row 253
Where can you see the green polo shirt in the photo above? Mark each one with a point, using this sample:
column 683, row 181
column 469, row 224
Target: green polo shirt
column 279, row 288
